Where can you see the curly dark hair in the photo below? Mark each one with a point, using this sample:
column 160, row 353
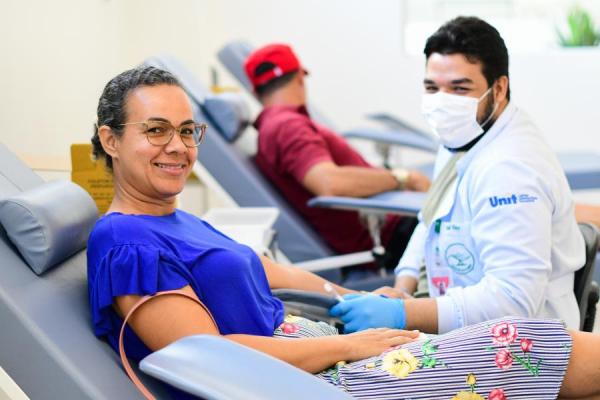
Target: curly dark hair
column 111, row 106
column 477, row 40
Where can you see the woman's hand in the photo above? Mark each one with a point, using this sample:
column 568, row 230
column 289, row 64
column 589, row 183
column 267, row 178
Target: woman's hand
column 373, row 342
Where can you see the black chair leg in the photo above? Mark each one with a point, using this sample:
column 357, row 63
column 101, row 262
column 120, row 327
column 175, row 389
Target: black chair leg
column 590, row 315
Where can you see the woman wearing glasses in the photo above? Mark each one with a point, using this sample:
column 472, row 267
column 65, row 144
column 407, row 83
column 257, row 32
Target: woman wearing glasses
column 144, row 245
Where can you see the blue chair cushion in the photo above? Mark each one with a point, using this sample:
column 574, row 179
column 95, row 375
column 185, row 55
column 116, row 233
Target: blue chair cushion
column 49, row 223
column 229, row 112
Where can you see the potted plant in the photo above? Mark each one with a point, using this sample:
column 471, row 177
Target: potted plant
column 581, row 30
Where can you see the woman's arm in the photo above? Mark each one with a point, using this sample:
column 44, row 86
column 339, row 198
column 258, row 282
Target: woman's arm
column 166, row 319
column 289, row 277
column 318, row 353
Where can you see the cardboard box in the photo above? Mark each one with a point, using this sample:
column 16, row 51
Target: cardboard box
column 92, row 176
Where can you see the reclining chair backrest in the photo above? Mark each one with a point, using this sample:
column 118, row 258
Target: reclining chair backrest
column 46, row 341
column 15, row 177
column 584, row 288
column 238, row 174
column 233, row 55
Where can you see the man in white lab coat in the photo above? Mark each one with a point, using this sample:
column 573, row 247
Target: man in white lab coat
column 497, row 234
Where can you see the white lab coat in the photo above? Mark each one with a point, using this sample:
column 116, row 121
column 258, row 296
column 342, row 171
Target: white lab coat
column 508, row 242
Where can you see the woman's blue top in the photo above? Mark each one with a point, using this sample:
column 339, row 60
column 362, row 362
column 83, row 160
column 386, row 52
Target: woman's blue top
column 143, row 254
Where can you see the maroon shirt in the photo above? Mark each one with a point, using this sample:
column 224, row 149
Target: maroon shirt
column 289, row 144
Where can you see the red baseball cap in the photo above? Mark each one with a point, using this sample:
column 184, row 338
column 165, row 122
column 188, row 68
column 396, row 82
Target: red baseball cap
column 280, row 56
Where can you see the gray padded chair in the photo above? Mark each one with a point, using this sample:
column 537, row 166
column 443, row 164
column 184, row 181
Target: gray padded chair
column 395, row 132
column 232, row 56
column 189, row 364
column 582, row 168
column 46, row 341
column 239, row 176
column 241, row 179
column 237, row 173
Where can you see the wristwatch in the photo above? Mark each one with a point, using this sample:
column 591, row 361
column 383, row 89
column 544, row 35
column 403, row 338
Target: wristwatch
column 401, row 175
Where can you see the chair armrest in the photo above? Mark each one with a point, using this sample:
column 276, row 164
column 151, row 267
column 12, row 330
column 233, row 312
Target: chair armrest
column 394, row 123
column 394, row 137
column 215, row 368
column 302, row 296
column 341, row 261
column 581, row 168
column 394, row 202
column 310, row 305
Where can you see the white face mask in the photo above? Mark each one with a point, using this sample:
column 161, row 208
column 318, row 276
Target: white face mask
column 454, row 118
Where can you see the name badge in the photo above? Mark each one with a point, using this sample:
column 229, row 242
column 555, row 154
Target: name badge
column 454, row 250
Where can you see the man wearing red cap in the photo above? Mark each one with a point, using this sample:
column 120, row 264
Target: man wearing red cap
column 304, row 159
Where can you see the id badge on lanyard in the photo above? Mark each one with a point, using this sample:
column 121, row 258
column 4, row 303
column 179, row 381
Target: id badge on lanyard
column 441, row 276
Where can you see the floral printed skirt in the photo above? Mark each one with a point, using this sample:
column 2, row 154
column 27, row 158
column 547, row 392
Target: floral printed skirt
column 508, row 358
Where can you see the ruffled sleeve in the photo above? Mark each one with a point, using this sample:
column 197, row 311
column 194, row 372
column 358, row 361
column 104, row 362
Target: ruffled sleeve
column 131, row 269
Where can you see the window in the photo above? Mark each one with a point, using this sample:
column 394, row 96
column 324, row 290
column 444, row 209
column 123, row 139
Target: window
column 526, row 25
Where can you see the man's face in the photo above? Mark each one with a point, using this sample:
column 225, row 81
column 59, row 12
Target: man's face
column 454, row 74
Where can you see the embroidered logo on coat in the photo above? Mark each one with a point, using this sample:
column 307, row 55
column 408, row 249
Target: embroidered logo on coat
column 459, row 258
column 512, row 199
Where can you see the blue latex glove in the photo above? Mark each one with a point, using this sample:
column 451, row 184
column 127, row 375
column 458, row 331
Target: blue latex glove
column 361, row 312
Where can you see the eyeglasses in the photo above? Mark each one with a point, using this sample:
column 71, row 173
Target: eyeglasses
column 160, row 133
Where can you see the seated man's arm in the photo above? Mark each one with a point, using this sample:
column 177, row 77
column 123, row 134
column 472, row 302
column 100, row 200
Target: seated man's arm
column 328, row 179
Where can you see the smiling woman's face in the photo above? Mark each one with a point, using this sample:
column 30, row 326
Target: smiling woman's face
column 147, row 172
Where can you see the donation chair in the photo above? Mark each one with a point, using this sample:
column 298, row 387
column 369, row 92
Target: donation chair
column 235, row 171
column 395, row 133
column 586, row 289
column 581, row 168
column 46, row 341
column 228, row 116
column 174, row 364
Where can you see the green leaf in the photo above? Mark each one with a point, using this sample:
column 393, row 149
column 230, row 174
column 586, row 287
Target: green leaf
column 429, row 363
column 581, row 31
column 537, row 368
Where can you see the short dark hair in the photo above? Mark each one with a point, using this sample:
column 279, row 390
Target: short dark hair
column 275, row 83
column 111, row 106
column 477, row 40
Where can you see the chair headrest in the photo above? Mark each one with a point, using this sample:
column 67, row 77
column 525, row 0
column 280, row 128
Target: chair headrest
column 230, row 112
column 48, row 223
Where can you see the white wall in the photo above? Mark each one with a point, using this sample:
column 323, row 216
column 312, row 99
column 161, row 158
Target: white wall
column 353, row 50
column 560, row 89
column 57, row 56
